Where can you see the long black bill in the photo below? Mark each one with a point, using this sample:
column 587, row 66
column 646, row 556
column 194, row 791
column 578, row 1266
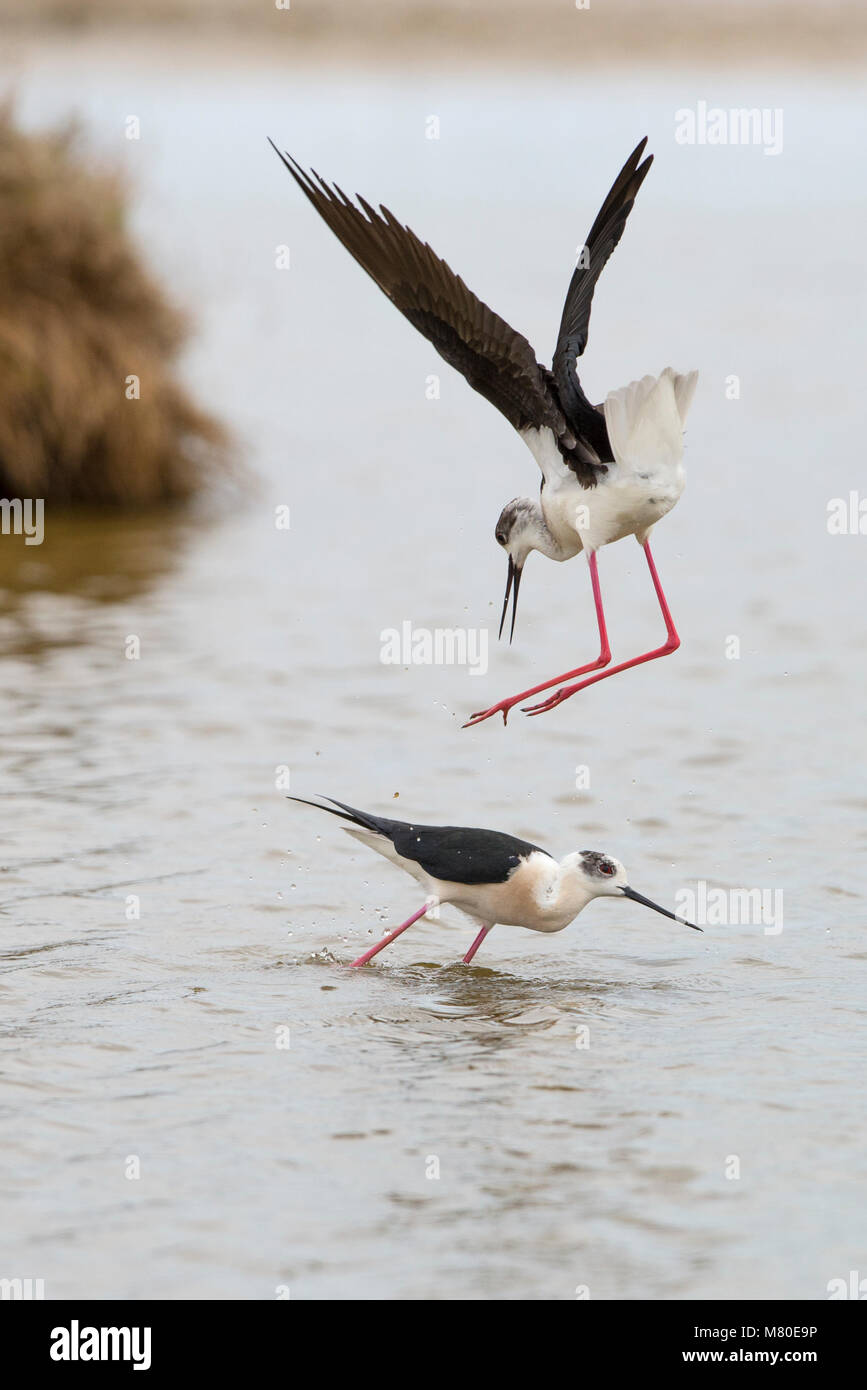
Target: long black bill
column 640, row 898
column 513, row 584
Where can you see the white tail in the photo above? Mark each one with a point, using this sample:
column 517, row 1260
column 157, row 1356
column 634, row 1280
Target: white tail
column 646, row 418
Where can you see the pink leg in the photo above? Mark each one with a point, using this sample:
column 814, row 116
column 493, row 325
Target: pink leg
column 602, row 660
column 671, row 644
column 476, row 944
column 392, row 936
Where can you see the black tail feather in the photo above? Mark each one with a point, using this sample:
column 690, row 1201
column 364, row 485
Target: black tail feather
column 367, row 822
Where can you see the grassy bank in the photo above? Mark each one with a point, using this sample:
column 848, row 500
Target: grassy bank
column 90, row 407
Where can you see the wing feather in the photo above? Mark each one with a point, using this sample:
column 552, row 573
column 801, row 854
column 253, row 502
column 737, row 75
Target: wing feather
column 604, row 235
column 495, row 359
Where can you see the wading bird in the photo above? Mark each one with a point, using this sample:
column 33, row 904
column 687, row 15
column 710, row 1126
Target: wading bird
column 492, row 877
column 608, row 471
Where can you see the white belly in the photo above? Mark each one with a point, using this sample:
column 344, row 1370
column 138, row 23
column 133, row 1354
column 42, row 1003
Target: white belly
column 623, row 503
column 629, row 504
column 645, row 425
column 534, row 896
column 498, row 903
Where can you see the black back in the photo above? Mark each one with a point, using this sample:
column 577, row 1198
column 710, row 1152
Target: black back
column 457, row 854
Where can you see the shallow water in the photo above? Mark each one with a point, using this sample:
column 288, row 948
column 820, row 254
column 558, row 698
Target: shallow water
column 560, row 1165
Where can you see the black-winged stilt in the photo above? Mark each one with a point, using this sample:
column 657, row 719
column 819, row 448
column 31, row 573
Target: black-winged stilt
column 492, row 877
column 608, row 471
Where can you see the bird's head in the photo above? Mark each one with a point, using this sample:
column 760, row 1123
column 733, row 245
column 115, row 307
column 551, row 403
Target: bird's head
column 604, row 877
column 519, row 530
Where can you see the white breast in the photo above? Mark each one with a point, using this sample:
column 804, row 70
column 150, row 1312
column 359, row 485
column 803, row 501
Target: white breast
column 534, row 896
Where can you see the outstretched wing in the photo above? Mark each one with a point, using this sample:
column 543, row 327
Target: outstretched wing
column 498, row 362
column 572, row 338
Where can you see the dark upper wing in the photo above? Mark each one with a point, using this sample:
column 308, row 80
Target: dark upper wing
column 572, row 338
column 453, row 853
column 461, row 855
column 498, row 362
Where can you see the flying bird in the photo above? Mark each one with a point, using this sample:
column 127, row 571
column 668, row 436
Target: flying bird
column 608, row 471
column 492, row 877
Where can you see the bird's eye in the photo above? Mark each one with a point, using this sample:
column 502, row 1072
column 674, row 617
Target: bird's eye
column 606, row 869
column 501, row 538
